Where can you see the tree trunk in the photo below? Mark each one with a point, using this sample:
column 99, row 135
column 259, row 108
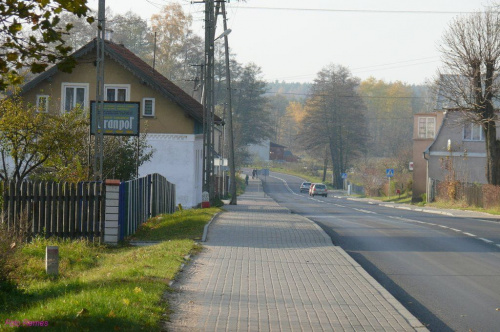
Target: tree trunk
column 490, row 131
column 325, row 165
column 492, row 154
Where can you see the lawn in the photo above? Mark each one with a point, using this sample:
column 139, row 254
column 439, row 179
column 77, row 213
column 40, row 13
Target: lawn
column 101, row 288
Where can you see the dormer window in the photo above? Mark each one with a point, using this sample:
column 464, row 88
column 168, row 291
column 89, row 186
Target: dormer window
column 117, row 92
column 73, row 95
column 148, row 106
column 473, row 132
column 42, row 103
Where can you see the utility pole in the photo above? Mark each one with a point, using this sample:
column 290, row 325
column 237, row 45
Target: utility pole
column 232, row 169
column 99, row 118
column 208, row 97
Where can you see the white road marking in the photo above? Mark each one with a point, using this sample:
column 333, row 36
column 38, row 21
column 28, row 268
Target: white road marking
column 392, row 217
column 364, row 211
column 487, row 220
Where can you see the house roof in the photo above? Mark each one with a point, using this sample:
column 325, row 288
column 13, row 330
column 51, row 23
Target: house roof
column 140, row 69
column 275, row 145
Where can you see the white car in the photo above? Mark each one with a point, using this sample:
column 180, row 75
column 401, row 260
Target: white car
column 304, row 187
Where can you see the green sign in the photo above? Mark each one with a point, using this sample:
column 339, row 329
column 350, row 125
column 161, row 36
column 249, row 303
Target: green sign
column 120, row 118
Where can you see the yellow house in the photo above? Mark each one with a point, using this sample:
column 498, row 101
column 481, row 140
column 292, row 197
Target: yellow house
column 172, row 118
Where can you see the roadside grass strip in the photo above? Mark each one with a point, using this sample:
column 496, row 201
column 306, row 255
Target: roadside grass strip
column 100, row 288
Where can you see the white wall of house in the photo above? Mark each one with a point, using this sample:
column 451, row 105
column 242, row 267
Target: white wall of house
column 178, row 157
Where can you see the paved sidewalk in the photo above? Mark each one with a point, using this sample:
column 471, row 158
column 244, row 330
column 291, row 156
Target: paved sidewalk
column 264, row 269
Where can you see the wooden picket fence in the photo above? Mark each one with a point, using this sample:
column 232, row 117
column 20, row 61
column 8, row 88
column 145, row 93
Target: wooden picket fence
column 65, row 210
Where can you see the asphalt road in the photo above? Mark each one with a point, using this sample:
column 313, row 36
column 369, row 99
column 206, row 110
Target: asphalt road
column 444, row 269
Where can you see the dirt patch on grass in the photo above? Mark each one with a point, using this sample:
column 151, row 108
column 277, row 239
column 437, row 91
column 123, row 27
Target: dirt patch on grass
column 185, row 301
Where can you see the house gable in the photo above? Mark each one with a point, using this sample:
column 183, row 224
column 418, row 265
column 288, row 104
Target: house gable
column 174, row 111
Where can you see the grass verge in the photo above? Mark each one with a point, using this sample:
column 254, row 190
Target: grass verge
column 100, row 288
column 459, row 205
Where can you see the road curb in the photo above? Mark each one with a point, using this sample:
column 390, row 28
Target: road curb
column 205, row 229
column 410, row 318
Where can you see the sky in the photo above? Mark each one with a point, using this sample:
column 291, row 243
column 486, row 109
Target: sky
column 292, row 40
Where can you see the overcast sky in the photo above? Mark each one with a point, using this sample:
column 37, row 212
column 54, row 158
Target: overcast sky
column 388, row 39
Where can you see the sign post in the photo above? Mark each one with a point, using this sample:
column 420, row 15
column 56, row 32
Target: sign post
column 389, row 173
column 344, row 177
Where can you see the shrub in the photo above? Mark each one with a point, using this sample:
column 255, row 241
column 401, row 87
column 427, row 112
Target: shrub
column 491, row 196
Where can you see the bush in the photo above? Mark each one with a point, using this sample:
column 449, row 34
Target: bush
column 11, row 238
column 491, row 196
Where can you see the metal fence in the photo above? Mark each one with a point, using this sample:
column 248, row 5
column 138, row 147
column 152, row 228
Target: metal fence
column 355, row 189
column 66, row 210
column 143, row 198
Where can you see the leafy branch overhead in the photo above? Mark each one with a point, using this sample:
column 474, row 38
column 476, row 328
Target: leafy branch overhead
column 32, row 38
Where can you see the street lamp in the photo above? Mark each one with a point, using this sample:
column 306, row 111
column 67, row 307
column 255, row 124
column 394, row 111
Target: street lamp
column 224, row 34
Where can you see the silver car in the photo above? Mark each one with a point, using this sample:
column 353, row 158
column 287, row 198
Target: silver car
column 318, row 189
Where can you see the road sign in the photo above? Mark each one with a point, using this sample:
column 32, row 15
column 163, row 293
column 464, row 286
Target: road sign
column 120, row 118
column 389, row 172
column 344, row 175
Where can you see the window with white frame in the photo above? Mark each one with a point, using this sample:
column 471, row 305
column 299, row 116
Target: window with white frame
column 148, row 106
column 117, row 92
column 73, row 95
column 473, row 132
column 426, row 127
column 42, row 103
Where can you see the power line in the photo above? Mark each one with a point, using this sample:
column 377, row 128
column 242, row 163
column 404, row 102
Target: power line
column 397, row 62
column 374, row 67
column 336, row 96
column 367, row 11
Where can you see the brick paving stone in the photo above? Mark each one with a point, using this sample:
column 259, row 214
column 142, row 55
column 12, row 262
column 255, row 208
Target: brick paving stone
column 265, row 269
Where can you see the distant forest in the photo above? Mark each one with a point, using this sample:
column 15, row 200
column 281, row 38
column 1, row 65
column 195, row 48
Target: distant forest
column 292, row 91
column 299, row 92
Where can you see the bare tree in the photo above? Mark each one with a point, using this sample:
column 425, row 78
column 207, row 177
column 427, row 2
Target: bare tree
column 469, row 80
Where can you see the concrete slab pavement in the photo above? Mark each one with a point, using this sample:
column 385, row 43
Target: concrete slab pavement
column 264, row 269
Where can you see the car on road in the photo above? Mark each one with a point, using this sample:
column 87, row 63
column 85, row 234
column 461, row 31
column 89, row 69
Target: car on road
column 304, row 187
column 318, row 189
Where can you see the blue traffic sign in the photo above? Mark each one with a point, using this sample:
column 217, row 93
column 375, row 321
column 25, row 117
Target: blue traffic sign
column 389, row 172
column 344, row 175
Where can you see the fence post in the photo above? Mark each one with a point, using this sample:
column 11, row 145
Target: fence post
column 111, row 229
